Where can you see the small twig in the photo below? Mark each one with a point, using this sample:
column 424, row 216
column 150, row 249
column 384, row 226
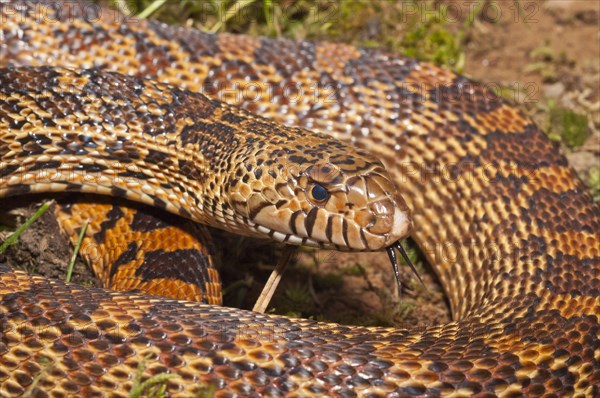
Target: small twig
column 313, row 293
column 76, row 251
column 363, row 273
column 269, row 289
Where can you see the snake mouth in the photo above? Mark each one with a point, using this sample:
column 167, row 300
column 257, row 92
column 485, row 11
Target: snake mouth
column 397, row 245
column 362, row 212
column 401, row 227
column 294, row 239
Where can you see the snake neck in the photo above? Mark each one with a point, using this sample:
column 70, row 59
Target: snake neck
column 101, row 132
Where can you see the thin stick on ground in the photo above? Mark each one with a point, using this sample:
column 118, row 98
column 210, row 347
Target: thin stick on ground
column 269, row 289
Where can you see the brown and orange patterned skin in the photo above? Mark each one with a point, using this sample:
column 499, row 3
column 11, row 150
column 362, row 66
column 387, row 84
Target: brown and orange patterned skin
column 509, row 228
column 134, row 248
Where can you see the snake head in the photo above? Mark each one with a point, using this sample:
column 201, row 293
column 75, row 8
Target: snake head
column 319, row 192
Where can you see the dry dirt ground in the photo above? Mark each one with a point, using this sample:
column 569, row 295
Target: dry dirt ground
column 546, row 52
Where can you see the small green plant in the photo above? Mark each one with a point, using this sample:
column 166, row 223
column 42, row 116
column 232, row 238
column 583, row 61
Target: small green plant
column 259, row 17
column 46, row 367
column 593, row 182
column 547, row 63
column 353, row 270
column 566, row 125
column 573, row 127
column 544, row 62
column 404, row 309
column 432, row 40
column 297, row 299
column 153, row 387
column 207, row 392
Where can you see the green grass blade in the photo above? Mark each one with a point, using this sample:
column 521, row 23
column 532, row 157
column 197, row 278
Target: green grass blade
column 153, row 387
column 76, row 251
column 230, row 13
column 14, row 237
column 151, row 9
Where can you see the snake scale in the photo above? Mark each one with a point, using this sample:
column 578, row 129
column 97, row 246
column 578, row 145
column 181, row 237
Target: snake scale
column 508, row 226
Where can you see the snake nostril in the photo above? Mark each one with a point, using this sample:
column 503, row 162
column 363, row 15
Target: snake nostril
column 382, row 208
column 383, row 216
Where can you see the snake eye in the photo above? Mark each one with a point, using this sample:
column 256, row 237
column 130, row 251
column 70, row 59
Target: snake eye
column 319, row 193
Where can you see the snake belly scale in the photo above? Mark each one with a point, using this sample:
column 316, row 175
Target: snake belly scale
column 479, row 177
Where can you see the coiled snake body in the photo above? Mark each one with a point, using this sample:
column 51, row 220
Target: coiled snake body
column 482, row 181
